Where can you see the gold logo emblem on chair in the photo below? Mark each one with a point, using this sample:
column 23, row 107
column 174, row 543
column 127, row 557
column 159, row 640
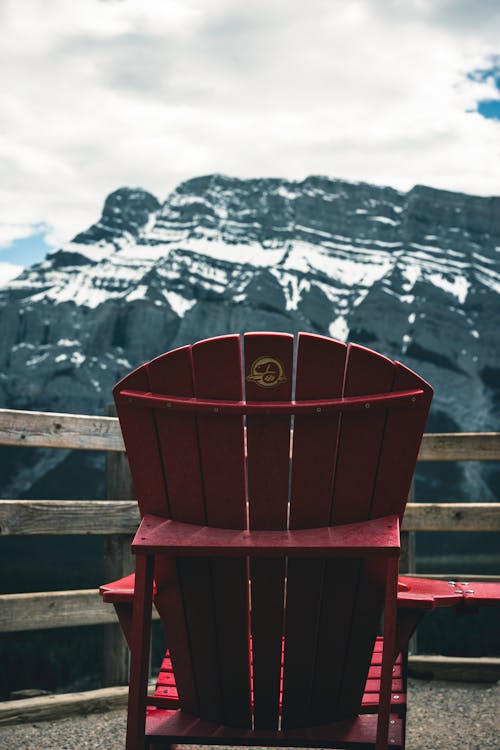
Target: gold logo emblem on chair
column 267, row 372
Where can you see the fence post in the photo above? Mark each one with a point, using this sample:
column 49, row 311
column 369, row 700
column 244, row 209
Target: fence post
column 118, row 562
column 407, row 559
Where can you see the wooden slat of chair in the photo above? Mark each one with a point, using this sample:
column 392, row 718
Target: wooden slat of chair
column 268, row 437
column 366, row 613
column 217, row 373
column 177, row 432
column 139, row 435
column 398, row 452
column 402, row 438
column 361, row 436
column 357, row 461
column 195, row 576
column 320, row 374
column 268, row 370
column 166, row 692
column 178, row 437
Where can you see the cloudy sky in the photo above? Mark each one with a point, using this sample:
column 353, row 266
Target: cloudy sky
column 99, row 94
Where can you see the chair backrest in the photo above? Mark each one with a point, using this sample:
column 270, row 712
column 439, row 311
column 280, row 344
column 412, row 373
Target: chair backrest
column 227, row 620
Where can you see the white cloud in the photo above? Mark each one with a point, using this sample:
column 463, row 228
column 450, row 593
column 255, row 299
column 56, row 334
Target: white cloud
column 8, row 271
column 11, row 232
column 99, row 94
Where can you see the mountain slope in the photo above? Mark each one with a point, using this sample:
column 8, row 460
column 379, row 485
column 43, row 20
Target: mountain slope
column 414, row 275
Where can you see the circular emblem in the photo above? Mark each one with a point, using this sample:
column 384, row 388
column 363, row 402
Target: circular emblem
column 267, row 372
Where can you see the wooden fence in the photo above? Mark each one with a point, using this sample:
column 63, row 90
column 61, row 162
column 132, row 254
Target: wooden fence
column 117, row 518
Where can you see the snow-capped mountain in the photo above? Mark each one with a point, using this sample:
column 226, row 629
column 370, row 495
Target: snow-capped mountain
column 414, row 275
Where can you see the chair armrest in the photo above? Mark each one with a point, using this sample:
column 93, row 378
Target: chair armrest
column 410, row 594
column 120, row 591
column 378, row 537
column 420, row 593
column 447, row 593
column 426, row 593
column 479, row 594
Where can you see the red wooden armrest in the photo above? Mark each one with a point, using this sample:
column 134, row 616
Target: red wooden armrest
column 378, row 537
column 480, row 594
column 421, row 593
column 120, row 591
column 446, row 593
column 426, row 593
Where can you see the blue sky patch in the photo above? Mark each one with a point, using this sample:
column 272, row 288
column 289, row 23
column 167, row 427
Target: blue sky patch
column 27, row 250
column 489, row 108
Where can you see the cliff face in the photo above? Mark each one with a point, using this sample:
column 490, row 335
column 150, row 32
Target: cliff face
column 414, row 275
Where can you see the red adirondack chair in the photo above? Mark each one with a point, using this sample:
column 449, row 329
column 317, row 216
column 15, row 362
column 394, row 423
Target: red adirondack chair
column 271, row 488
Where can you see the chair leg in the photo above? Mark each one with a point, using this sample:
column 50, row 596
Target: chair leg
column 139, row 661
column 387, row 654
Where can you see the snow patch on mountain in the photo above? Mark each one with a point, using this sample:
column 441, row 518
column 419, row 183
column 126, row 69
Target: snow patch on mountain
column 339, row 329
column 457, row 285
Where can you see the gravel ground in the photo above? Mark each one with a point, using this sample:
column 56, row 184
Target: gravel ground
column 441, row 716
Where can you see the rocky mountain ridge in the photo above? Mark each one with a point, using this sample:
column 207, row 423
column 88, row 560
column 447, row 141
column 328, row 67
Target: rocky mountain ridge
column 414, row 275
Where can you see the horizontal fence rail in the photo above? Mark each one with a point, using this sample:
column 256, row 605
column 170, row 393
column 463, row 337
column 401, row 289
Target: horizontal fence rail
column 53, row 609
column 47, row 517
column 30, row 517
column 51, row 430
column 460, row 446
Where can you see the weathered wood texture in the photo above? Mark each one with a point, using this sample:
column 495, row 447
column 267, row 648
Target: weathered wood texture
column 51, row 430
column 463, row 669
column 118, row 480
column 452, row 517
column 407, row 560
column 118, row 558
column 460, row 446
column 62, row 705
column 54, row 609
column 27, row 517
